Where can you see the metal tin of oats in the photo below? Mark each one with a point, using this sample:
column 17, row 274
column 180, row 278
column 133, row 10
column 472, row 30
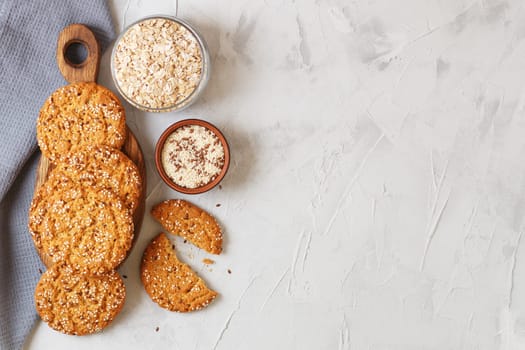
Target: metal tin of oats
column 160, row 64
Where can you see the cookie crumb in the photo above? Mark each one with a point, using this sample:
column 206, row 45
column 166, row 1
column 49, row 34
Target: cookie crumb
column 208, row 261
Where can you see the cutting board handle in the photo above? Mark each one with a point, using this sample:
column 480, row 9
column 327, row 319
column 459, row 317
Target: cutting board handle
column 88, row 69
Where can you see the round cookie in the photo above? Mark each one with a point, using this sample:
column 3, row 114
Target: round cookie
column 104, row 167
column 77, row 115
column 78, row 304
column 89, row 229
column 170, row 283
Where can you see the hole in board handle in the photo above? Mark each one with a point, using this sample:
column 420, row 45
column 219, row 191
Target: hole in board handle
column 76, row 53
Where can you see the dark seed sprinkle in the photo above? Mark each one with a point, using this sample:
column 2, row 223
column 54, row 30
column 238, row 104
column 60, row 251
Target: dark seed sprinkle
column 203, row 156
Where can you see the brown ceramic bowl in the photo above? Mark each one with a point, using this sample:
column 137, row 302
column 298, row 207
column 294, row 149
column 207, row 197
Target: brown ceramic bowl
column 160, row 146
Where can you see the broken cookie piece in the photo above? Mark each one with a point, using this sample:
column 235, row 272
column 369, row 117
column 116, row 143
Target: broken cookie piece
column 180, row 217
column 169, row 282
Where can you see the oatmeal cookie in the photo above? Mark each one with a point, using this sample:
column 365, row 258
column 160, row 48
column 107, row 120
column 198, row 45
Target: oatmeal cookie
column 170, row 283
column 104, row 167
column 74, row 303
column 182, row 218
column 88, row 228
column 77, row 115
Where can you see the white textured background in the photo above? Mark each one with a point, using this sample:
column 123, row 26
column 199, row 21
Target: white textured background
column 376, row 198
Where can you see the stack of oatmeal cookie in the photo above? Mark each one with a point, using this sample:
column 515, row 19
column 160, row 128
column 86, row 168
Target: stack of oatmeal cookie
column 81, row 218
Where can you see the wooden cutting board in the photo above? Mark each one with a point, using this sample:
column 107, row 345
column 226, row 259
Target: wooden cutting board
column 87, row 71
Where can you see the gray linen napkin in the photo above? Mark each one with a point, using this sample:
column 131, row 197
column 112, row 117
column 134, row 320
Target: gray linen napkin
column 28, row 75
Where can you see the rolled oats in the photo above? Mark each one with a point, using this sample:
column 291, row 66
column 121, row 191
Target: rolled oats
column 158, row 63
